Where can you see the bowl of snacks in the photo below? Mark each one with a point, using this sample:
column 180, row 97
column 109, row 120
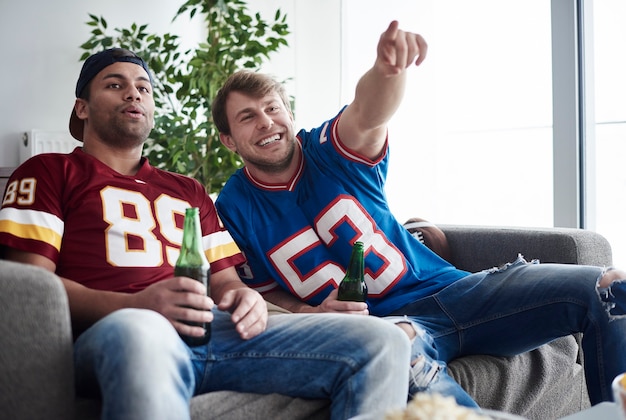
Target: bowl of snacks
column 435, row 406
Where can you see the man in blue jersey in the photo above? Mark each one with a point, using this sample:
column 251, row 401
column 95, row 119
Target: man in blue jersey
column 301, row 202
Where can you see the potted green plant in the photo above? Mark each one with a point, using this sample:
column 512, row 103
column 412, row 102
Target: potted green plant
column 184, row 139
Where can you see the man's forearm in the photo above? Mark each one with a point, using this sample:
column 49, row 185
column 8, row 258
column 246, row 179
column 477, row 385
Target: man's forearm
column 377, row 98
column 87, row 306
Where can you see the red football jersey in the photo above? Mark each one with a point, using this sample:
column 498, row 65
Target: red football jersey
column 106, row 230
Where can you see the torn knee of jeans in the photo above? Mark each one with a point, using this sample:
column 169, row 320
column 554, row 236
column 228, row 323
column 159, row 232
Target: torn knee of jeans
column 423, row 372
column 612, row 294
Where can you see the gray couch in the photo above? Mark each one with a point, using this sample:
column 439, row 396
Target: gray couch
column 36, row 380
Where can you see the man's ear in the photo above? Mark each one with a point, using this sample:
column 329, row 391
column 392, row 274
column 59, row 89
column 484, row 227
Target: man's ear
column 227, row 141
column 80, row 106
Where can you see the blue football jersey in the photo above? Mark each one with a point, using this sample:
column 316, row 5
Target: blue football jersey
column 299, row 235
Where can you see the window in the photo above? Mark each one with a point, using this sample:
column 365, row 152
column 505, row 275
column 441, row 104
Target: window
column 610, row 112
column 472, row 142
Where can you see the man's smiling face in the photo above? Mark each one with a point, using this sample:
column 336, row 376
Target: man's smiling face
column 261, row 131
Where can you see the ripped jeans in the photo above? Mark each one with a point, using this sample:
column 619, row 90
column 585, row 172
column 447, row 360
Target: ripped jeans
column 516, row 308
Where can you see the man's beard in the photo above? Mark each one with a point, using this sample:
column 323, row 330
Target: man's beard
column 122, row 134
column 273, row 166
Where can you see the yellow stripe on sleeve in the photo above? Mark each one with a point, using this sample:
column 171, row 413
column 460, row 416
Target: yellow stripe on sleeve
column 32, row 224
column 220, row 245
column 33, row 232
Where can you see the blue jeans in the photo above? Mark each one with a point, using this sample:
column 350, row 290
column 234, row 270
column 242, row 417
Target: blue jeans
column 516, row 308
column 136, row 362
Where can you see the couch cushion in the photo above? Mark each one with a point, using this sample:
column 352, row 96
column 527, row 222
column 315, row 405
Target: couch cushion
column 545, row 383
column 476, row 248
column 228, row 405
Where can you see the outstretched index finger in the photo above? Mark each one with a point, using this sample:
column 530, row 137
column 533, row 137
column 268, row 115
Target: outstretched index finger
column 392, row 31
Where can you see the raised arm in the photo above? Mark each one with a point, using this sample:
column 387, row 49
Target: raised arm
column 363, row 125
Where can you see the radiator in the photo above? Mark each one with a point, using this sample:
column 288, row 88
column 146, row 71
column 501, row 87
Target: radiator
column 35, row 142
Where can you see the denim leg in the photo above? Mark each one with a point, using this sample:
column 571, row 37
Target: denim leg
column 427, row 373
column 522, row 306
column 358, row 362
column 136, row 362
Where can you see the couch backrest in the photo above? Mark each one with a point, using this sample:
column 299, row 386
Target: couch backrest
column 5, row 173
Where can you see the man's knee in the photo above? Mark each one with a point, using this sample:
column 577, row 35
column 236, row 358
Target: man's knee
column 609, row 276
column 135, row 327
column 611, row 289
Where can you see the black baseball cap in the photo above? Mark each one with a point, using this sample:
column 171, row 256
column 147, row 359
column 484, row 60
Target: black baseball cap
column 94, row 65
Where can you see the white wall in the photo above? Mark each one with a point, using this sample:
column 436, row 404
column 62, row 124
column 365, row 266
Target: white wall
column 311, row 64
column 40, row 41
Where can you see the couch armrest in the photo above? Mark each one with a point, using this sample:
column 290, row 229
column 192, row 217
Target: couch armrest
column 36, row 367
column 475, row 248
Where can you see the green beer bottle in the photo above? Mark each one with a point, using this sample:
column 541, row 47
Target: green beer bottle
column 193, row 263
column 353, row 286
